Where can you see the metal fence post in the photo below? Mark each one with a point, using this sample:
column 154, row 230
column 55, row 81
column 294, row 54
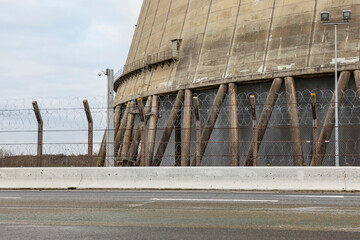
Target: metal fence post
column 110, row 120
column 40, row 134
column 90, row 127
column 255, row 134
column 197, row 159
column 314, row 115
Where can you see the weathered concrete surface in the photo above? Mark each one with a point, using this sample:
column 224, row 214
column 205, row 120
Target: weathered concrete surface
column 185, row 215
column 237, row 40
column 209, row 178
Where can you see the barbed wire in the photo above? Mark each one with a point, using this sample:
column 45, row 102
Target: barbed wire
column 66, row 127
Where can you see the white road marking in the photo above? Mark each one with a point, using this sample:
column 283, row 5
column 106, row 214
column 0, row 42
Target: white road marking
column 312, row 196
column 209, row 200
column 10, row 197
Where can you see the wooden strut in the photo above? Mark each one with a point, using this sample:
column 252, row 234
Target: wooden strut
column 140, row 132
column 329, row 122
column 186, row 130
column 211, row 120
column 150, row 146
column 254, row 127
column 39, row 160
column 127, row 134
column 234, row 126
column 169, row 129
column 315, row 123
column 90, row 127
column 122, row 128
column 197, row 161
column 296, row 141
column 264, row 118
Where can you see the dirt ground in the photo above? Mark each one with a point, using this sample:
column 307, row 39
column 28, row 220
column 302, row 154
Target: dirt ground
column 49, row 161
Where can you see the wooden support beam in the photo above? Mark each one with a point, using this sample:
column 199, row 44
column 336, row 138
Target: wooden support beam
column 133, row 154
column 186, row 130
column 314, row 123
column 169, row 128
column 197, row 161
column 329, row 122
column 120, row 133
column 90, row 127
column 39, row 161
column 234, row 125
column 127, row 134
column 151, row 138
column 254, row 130
column 296, row 142
column 211, row 120
column 264, row 118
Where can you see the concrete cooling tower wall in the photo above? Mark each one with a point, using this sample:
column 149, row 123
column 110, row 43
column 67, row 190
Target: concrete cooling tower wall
column 261, row 74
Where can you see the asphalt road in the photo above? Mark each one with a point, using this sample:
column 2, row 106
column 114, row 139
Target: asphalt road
column 178, row 215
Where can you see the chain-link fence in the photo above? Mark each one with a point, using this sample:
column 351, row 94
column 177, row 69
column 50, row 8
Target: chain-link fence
column 65, row 140
column 276, row 147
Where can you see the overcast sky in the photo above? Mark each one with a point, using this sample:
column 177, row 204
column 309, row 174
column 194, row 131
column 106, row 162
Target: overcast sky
column 56, row 47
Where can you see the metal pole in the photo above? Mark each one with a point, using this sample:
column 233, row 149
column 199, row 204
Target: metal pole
column 254, row 117
column 337, row 157
column 178, row 140
column 110, row 119
column 197, row 160
column 336, row 94
column 315, row 131
column 40, row 162
column 90, row 127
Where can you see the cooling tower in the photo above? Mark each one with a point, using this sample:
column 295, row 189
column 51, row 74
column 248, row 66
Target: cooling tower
column 257, row 70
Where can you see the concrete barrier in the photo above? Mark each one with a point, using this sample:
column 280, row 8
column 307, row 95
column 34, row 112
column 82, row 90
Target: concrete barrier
column 211, row 178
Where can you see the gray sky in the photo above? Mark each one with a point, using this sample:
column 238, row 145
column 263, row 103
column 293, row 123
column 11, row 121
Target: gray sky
column 55, row 48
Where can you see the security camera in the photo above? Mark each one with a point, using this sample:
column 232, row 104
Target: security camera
column 100, row 73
